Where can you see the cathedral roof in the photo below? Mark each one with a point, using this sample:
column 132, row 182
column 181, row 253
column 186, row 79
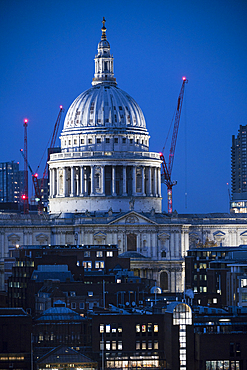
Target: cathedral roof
column 104, row 106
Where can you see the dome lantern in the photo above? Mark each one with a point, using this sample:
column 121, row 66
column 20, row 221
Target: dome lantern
column 103, row 61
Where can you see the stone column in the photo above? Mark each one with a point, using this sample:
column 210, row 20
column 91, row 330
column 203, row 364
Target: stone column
column 77, row 182
column 182, row 243
column 155, row 182
column 177, row 245
column 150, row 181
column 51, row 183
column 92, row 180
column 143, row 181
column 124, row 181
column 81, row 181
column 57, row 181
column 103, row 179
column 172, row 247
column 54, row 182
column 134, row 180
column 86, row 184
column 186, row 242
column 113, row 180
column 64, row 182
column 159, row 182
column 72, row 181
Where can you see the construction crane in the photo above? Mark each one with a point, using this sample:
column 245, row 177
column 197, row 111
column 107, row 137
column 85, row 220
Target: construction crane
column 35, row 182
column 25, row 195
column 51, row 146
column 166, row 169
column 39, row 184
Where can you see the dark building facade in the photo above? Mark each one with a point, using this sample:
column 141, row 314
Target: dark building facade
column 217, row 276
column 15, row 339
column 11, row 182
column 239, row 171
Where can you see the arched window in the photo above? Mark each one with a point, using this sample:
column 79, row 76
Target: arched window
column 163, row 254
column 164, row 281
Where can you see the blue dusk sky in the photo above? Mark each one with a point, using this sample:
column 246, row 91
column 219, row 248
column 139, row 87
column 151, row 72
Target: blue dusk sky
column 47, row 59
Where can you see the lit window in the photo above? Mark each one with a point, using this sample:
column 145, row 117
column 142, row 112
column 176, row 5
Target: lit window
column 150, row 344
column 120, row 345
column 101, row 328
column 156, row 344
column 143, row 328
column 118, row 281
column 114, row 345
column 109, row 254
column 138, row 328
column 108, row 328
column 138, row 345
column 215, row 300
column 156, row 328
column 108, row 345
column 99, row 254
column 144, row 346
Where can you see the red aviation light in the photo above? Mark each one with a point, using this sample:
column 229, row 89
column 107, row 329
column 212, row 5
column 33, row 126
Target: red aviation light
column 35, row 175
column 160, row 154
column 24, row 196
column 184, row 78
column 25, row 120
column 61, row 107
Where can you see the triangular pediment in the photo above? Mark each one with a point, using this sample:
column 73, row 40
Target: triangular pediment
column 219, row 233
column 132, row 218
column 163, row 236
column 13, row 238
column 244, row 233
column 41, row 237
column 100, row 233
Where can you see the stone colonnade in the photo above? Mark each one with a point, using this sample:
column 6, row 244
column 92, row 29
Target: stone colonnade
column 112, row 180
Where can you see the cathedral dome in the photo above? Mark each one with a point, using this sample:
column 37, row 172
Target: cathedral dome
column 104, row 163
column 104, row 107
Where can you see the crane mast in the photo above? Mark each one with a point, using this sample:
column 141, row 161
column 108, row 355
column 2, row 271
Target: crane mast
column 25, row 195
column 166, row 169
column 38, row 185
